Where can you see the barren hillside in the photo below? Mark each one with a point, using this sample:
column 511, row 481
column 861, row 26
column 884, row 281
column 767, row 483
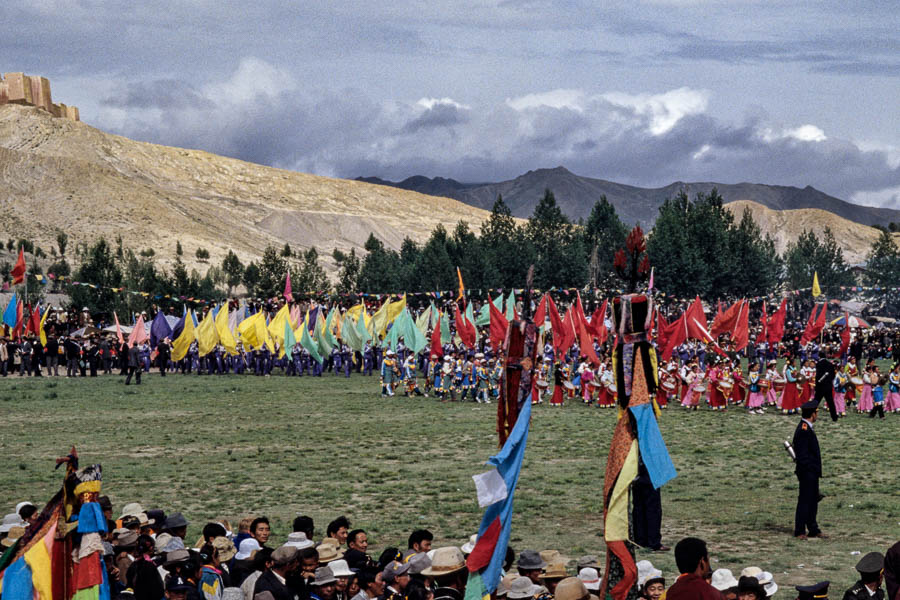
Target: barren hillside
column 60, row 174
column 786, row 225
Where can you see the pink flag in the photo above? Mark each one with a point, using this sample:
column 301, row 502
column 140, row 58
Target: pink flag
column 139, row 333
column 650, row 287
column 288, row 295
column 118, row 329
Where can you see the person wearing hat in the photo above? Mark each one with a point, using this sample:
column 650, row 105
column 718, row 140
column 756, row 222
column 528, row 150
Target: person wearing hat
column 724, row 581
column 816, row 591
column 176, row 525
column 284, row 562
column 572, row 588
column 531, row 565
column 177, row 588
column 749, row 588
column 342, row 574
column 396, row 578
column 871, row 576
column 521, row 588
column 323, row 586
column 553, row 574
column 448, row 569
column 808, row 471
column 590, row 577
column 587, row 561
column 650, row 580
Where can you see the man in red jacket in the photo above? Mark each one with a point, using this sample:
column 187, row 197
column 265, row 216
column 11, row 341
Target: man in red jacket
column 692, row 559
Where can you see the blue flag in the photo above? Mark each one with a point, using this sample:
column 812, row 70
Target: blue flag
column 159, row 329
column 9, row 315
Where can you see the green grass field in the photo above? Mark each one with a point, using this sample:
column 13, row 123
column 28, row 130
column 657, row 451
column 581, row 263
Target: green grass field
column 232, row 446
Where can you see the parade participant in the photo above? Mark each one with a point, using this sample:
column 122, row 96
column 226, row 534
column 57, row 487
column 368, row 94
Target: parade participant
column 409, row 377
column 877, row 393
column 771, row 377
column 824, row 385
column 496, row 375
column 856, row 382
column 482, row 381
column 456, row 382
column 808, row 471
column 607, row 396
column 389, row 371
column 866, row 398
column 664, row 388
column 871, row 576
column 807, row 376
column 739, row 387
column 839, row 395
column 790, row 396
column 568, row 385
column 558, row 377
column 447, row 378
column 684, row 374
column 587, row 385
column 714, row 374
column 756, row 399
column 696, row 388
column 893, row 400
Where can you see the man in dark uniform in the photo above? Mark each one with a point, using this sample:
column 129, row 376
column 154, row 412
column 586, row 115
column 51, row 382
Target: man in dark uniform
column 816, row 591
column 824, row 383
column 871, row 575
column 134, row 365
column 809, row 470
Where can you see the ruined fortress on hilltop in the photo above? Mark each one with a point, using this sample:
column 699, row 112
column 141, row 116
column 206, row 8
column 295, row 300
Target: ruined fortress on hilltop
column 30, row 90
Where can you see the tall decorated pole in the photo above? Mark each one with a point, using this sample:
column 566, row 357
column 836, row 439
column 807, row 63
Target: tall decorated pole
column 636, row 438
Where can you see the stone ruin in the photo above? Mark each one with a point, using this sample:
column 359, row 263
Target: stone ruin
column 30, row 90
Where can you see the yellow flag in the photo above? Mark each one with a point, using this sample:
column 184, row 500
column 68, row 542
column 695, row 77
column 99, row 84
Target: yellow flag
column 380, row 320
column 816, row 291
column 44, row 333
column 394, row 309
column 263, row 336
column 247, row 332
column 276, row 325
column 182, row 343
column 225, row 335
column 206, row 335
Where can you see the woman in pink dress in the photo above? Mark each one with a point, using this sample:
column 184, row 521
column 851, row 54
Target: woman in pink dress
column 756, row 398
column 841, row 381
column 893, row 397
column 771, row 376
column 866, row 400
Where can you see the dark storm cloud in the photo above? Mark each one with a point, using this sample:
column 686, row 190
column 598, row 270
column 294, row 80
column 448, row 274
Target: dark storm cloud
column 440, row 114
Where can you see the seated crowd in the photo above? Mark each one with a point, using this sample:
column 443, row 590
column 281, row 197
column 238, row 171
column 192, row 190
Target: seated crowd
column 147, row 558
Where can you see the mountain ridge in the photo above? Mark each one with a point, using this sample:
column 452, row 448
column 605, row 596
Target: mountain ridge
column 576, row 195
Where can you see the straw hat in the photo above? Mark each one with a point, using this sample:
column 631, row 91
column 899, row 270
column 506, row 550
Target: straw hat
column 328, row 553
column 446, row 560
column 571, row 588
column 555, row 570
column 15, row 532
column 549, row 556
column 520, row 588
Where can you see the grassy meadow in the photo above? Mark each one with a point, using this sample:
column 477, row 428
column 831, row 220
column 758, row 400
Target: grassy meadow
column 237, row 445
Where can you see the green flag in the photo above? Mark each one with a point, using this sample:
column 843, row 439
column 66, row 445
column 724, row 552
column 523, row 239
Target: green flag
column 329, row 328
column 361, row 329
column 470, row 317
column 321, row 337
column 412, row 337
column 309, row 345
column 289, row 340
column 511, row 306
column 350, row 335
column 423, row 321
column 445, row 330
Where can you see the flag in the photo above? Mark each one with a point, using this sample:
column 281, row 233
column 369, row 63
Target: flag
column 816, row 290
column 288, row 294
column 361, row 328
column 349, row 334
column 464, row 329
column 9, row 315
column 18, row 271
column 34, row 320
column 436, row 348
column 394, row 309
column 540, row 314
column 598, row 323
column 223, row 329
column 815, row 324
column 182, row 343
column 462, row 288
column 498, row 326
column 119, row 335
column 741, row 335
column 556, row 326
column 309, row 345
column 496, row 489
column 511, row 306
column 379, row 322
column 764, row 323
column 17, row 330
column 275, row 327
column 650, row 286
column 43, row 333
column 845, row 337
column 138, row 333
column 159, row 329
column 775, row 326
column 445, row 329
column 206, row 335
column 725, row 321
column 246, row 330
column 289, row 340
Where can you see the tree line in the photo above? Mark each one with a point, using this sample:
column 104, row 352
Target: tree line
column 697, row 247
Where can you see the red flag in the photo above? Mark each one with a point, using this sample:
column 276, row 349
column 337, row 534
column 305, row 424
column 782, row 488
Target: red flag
column 118, row 329
column 288, row 293
column 34, row 321
column 498, row 327
column 436, row 348
column 845, row 337
column 598, row 323
column 726, row 321
column 586, row 345
column 17, row 330
column 540, row 315
column 815, row 324
column 138, row 333
column 775, row 325
column 696, row 322
column 569, row 332
column 464, row 329
column 18, row 271
column 741, row 335
column 556, row 325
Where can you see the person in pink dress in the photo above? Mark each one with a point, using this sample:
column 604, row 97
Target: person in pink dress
column 587, row 388
column 892, row 404
column 866, row 400
column 841, row 381
column 790, row 396
column 771, row 376
column 696, row 388
column 757, row 398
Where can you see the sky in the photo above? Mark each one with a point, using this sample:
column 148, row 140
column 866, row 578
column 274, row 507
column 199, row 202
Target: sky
column 643, row 93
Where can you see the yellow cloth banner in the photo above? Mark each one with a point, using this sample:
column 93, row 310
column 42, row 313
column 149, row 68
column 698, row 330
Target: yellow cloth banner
column 206, row 334
column 182, row 343
column 225, row 335
column 816, row 290
column 617, row 515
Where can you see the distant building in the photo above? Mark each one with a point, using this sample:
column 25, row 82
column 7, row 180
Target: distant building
column 31, row 90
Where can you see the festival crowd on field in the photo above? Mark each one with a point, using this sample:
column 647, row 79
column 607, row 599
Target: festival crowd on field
column 147, row 557
column 771, row 364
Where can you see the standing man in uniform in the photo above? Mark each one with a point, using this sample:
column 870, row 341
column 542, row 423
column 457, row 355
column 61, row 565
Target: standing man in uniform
column 871, row 575
column 809, row 470
column 825, row 371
